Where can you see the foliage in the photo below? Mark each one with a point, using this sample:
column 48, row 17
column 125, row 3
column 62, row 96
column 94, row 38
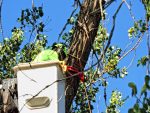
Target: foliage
column 86, row 94
column 8, row 53
column 115, row 102
column 67, row 36
column 143, row 61
column 16, row 50
column 134, row 88
column 101, row 38
column 11, row 53
column 138, row 28
column 142, row 104
column 32, row 17
column 146, row 4
column 108, row 64
column 112, row 59
column 30, row 50
column 87, row 91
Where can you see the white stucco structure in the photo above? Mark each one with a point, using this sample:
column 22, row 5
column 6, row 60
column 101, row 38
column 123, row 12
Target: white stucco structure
column 33, row 78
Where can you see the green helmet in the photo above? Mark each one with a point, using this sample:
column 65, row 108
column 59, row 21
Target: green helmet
column 58, row 52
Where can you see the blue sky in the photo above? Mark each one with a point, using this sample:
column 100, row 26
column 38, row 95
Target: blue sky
column 57, row 13
column 120, row 38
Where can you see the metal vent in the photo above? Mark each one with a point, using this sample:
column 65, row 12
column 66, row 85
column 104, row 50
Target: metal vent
column 38, row 102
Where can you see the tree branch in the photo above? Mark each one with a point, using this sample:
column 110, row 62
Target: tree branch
column 113, row 27
column 133, row 48
column 64, row 28
column 1, row 27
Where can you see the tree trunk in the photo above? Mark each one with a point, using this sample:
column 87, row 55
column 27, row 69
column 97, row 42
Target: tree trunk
column 8, row 96
column 81, row 44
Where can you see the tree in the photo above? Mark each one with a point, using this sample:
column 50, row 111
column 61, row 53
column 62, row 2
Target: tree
column 81, row 43
column 87, row 37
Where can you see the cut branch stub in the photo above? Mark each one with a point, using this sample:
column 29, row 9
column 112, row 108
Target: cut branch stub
column 81, row 44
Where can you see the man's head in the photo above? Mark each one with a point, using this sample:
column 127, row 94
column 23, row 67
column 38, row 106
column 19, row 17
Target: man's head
column 60, row 48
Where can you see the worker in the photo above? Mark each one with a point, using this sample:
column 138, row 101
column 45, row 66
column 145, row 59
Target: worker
column 57, row 53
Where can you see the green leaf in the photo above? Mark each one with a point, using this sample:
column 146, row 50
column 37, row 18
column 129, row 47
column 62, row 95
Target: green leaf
column 136, row 108
column 131, row 111
column 134, row 88
column 142, row 61
column 147, row 79
column 144, row 88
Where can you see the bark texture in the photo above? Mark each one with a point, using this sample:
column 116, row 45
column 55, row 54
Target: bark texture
column 9, row 96
column 81, row 44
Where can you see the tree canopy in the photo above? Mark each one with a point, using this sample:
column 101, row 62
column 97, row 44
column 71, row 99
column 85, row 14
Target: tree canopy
column 94, row 47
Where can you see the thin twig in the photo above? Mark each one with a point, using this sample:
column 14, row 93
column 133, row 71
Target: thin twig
column 1, row 27
column 101, row 7
column 64, row 28
column 148, row 47
column 128, row 45
column 89, row 103
column 105, row 6
column 129, row 7
column 26, row 75
column 133, row 48
column 105, row 96
column 113, row 27
column 108, row 3
column 131, row 62
column 111, row 33
column 32, row 4
column 95, row 81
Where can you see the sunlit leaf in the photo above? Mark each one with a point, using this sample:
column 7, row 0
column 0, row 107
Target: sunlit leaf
column 134, row 88
column 144, row 88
